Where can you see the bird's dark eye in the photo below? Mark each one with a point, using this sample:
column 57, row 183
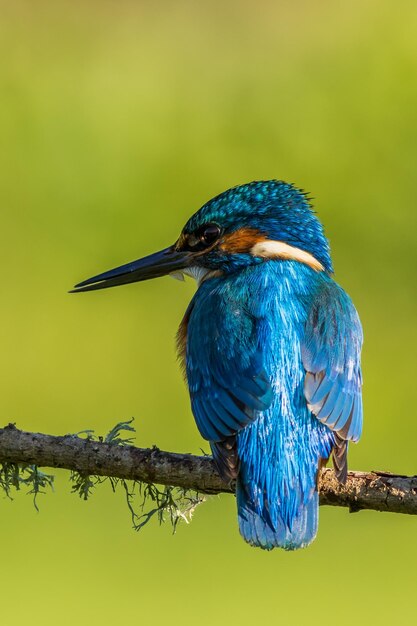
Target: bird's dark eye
column 209, row 233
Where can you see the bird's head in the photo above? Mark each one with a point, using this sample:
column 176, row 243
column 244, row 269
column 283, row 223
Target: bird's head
column 246, row 225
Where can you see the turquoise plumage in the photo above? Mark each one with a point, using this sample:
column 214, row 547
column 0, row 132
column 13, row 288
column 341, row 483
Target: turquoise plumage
column 271, row 348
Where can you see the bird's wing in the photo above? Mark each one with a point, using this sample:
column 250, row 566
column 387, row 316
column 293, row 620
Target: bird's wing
column 224, row 363
column 331, row 357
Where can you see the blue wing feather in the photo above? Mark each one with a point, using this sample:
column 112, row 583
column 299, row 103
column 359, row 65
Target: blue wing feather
column 227, row 382
column 331, row 357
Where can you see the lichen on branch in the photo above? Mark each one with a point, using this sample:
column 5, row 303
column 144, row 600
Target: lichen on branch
column 145, row 500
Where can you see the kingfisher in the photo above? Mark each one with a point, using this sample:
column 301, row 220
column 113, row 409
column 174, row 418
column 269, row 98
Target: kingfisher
column 270, row 345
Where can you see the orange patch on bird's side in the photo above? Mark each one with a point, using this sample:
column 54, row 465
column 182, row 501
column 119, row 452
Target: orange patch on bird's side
column 182, row 340
column 241, row 241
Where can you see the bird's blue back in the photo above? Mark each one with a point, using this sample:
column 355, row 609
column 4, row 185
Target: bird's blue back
column 250, row 326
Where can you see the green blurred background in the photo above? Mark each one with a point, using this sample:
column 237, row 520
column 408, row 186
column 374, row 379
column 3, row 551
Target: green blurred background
column 117, row 121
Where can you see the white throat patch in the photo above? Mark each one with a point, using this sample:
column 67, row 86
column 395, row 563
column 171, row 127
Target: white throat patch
column 270, row 249
column 198, row 273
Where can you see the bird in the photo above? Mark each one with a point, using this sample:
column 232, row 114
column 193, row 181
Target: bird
column 270, row 345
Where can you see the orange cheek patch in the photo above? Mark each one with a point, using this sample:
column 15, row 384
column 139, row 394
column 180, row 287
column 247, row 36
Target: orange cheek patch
column 241, row 241
column 251, row 241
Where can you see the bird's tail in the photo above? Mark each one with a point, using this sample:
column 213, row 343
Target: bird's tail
column 258, row 529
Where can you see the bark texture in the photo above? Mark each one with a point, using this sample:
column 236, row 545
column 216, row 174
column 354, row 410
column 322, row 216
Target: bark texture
column 379, row 491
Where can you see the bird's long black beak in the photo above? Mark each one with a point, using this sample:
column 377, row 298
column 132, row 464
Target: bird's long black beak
column 159, row 264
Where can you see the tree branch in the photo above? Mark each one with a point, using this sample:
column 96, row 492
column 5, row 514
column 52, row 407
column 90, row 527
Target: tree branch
column 379, row 491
